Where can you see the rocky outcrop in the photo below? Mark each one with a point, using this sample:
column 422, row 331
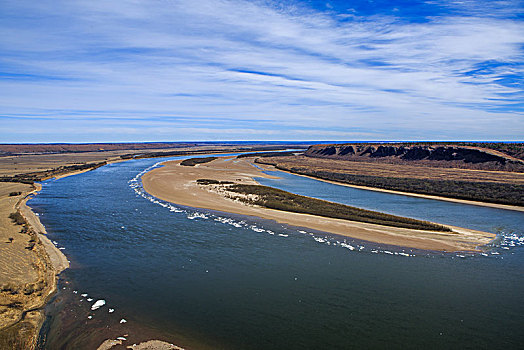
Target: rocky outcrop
column 412, row 152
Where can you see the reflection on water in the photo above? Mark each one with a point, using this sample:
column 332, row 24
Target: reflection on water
column 205, row 279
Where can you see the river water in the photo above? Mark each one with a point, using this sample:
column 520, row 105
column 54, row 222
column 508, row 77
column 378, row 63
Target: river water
column 210, row 280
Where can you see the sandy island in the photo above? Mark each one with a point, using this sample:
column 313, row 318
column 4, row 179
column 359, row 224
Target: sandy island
column 177, row 184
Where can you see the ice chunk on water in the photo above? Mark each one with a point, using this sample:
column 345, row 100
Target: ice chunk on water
column 123, row 320
column 98, row 304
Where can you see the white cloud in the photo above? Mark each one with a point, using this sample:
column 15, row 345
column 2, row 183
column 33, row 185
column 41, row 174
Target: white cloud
column 248, row 60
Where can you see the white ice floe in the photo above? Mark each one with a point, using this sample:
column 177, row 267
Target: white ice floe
column 348, row 246
column 229, row 221
column 89, row 299
column 121, row 338
column 283, row 235
column 111, row 311
column 197, row 216
column 89, row 317
column 75, row 291
column 98, row 304
column 83, row 295
column 123, row 320
column 320, row 239
column 256, row 229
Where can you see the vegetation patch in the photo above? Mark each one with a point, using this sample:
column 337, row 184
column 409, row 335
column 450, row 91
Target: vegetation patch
column 17, row 218
column 281, row 200
column 195, row 161
column 31, row 178
column 213, row 182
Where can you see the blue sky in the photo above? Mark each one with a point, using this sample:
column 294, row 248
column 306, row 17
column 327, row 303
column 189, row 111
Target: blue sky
column 168, row 70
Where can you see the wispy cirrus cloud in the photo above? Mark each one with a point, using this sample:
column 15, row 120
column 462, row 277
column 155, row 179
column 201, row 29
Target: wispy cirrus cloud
column 282, row 70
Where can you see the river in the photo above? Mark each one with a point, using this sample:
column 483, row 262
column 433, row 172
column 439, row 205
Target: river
column 209, row 280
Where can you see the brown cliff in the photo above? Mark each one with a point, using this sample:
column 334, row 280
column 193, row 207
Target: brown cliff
column 435, row 155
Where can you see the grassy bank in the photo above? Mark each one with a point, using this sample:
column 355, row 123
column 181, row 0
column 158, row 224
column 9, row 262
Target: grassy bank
column 273, row 198
column 37, row 176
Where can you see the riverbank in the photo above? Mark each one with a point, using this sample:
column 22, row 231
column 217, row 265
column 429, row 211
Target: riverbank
column 30, row 267
column 178, row 184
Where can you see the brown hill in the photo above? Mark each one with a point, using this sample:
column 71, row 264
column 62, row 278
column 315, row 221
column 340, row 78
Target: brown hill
column 423, row 154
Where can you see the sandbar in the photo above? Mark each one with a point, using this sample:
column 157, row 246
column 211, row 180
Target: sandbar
column 177, row 184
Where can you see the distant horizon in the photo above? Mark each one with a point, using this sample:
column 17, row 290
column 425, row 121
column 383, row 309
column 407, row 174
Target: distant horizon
column 263, row 142
column 86, row 71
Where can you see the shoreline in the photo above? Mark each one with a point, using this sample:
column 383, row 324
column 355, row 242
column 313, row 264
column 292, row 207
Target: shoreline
column 58, row 259
column 409, row 194
column 47, row 262
column 174, row 184
column 55, row 257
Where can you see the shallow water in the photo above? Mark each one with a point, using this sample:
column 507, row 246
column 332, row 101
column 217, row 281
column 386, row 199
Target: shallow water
column 204, row 279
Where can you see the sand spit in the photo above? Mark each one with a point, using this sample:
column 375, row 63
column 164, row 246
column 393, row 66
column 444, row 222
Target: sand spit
column 147, row 345
column 177, row 184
